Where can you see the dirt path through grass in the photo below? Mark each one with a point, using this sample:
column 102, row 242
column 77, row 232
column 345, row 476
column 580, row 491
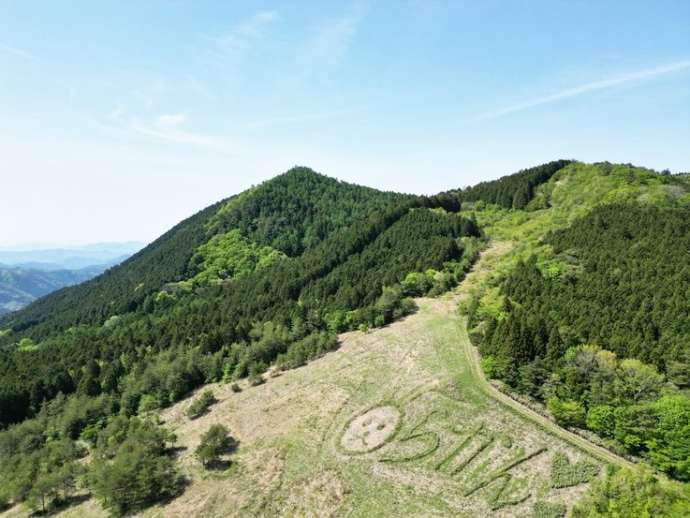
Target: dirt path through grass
column 473, row 362
column 399, row 421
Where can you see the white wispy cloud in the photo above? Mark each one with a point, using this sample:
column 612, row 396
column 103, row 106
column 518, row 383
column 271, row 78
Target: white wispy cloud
column 199, row 88
column 214, row 143
column 166, row 128
column 171, row 120
column 301, row 118
column 589, row 87
column 152, row 91
column 251, row 29
column 227, row 49
column 332, row 39
column 9, row 49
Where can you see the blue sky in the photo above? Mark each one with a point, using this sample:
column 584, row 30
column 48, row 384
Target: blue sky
column 118, row 119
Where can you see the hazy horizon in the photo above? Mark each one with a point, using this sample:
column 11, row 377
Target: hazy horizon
column 117, row 131
column 76, row 246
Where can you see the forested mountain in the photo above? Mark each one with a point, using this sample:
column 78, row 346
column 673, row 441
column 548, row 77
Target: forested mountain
column 514, row 191
column 593, row 318
column 588, row 314
column 291, row 213
column 355, row 241
column 623, row 284
column 20, row 286
column 267, row 276
column 622, row 291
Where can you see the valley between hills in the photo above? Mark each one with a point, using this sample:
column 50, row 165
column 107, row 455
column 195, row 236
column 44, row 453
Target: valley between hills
column 316, row 348
column 448, row 446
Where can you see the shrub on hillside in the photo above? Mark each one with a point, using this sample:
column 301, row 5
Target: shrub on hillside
column 148, row 403
column 131, row 469
column 308, row 348
column 201, row 404
column 566, row 413
column 214, row 443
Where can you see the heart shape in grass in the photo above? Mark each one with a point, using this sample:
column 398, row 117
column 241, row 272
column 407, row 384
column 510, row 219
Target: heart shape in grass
column 565, row 474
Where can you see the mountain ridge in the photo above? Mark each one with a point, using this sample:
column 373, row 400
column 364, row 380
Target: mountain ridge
column 24, row 283
column 265, row 281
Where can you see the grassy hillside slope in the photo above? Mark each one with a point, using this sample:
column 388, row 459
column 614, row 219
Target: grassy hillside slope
column 393, row 423
column 256, row 286
column 83, row 371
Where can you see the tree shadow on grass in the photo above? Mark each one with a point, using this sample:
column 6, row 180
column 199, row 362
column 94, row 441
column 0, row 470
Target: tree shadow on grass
column 60, row 504
column 223, row 464
column 181, row 485
column 218, row 465
column 175, row 451
column 232, row 446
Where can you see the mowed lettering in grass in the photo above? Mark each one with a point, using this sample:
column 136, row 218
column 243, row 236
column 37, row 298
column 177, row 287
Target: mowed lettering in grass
column 434, row 432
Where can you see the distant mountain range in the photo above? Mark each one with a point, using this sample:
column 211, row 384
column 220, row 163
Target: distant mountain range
column 26, row 275
column 68, row 257
column 578, row 302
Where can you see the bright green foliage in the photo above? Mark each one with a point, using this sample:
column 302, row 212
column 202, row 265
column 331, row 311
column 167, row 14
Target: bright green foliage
column 73, row 415
column 54, row 482
column 215, row 442
column 388, row 302
column 291, row 213
column 566, row 413
column 134, row 338
column 201, row 404
column 432, row 282
column 148, row 403
column 27, row 345
column 120, row 429
column 596, row 376
column 230, row 255
column 634, row 494
column 668, row 441
column 635, row 256
column 488, row 364
column 602, row 420
column 168, row 377
column 626, row 400
column 134, row 479
column 416, row 284
column 615, row 184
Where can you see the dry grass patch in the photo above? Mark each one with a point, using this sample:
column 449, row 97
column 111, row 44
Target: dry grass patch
column 391, row 424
